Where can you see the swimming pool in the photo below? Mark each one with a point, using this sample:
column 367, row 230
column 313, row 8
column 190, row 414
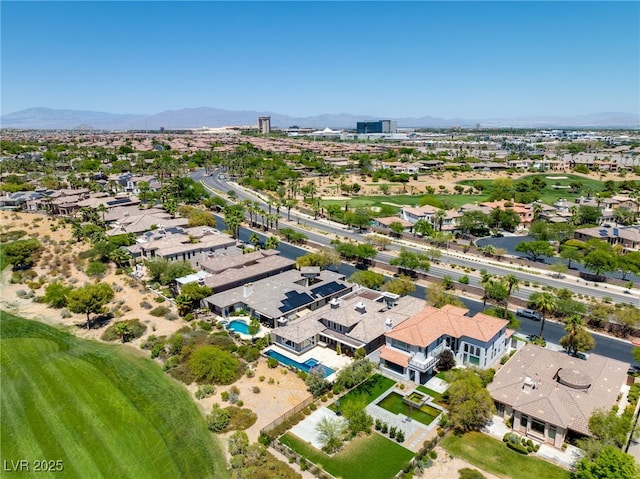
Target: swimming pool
column 238, row 326
column 306, row 366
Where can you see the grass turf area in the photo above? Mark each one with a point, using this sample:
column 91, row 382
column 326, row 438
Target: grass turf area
column 102, row 410
column 410, row 200
column 495, row 457
column 394, row 404
column 437, row 397
column 549, row 194
column 370, row 389
column 373, row 457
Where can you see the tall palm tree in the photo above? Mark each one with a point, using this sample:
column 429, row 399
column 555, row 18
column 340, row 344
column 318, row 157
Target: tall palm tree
column 545, row 303
column 438, row 219
column 573, row 325
column 513, row 282
column 272, row 242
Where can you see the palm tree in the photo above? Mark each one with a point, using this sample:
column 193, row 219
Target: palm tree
column 438, row 218
column 573, row 326
column 272, row 242
column 254, row 239
column 120, row 257
column 123, row 330
column 513, row 282
column 545, row 303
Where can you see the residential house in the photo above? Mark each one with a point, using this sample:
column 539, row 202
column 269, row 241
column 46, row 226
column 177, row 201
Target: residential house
column 182, row 244
column 551, row 395
column 278, row 299
column 222, row 273
column 413, row 347
column 387, row 221
column 356, row 320
column 627, row 236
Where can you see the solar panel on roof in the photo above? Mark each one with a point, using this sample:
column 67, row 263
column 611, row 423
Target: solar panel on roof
column 327, row 289
column 294, row 300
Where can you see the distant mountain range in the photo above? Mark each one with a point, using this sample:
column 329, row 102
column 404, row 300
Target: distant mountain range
column 47, row 118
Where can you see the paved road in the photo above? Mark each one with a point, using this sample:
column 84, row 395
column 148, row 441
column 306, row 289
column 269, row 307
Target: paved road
column 605, row 345
column 328, row 228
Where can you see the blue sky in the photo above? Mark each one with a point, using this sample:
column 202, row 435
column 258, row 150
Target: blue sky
column 394, row 59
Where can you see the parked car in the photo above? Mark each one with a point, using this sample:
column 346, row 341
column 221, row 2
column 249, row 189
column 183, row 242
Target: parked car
column 528, row 313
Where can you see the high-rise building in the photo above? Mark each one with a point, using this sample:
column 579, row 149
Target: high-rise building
column 380, row 126
column 264, row 124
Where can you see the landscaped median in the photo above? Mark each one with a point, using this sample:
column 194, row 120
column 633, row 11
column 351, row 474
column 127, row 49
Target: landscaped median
column 492, row 455
column 372, row 456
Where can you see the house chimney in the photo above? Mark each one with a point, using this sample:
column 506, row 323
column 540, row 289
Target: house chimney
column 334, row 303
column 388, row 324
column 361, row 308
column 247, row 290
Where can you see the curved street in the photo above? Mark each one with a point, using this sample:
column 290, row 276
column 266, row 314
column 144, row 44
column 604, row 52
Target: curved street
column 605, row 345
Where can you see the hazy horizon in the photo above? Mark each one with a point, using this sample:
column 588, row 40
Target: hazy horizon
column 448, row 60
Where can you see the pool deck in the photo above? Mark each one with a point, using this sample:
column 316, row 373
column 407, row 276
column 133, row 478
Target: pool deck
column 264, row 331
column 325, row 356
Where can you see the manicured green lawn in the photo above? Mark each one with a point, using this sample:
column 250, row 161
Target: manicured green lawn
column 437, row 397
column 550, row 194
column 371, row 457
column 495, row 457
column 102, row 410
column 370, row 389
column 394, row 404
column 408, row 200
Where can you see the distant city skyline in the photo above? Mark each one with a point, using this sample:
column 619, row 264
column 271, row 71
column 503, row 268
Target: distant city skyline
column 442, row 59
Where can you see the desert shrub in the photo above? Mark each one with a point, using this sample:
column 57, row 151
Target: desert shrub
column 255, row 389
column 171, row 316
column 21, row 293
column 64, row 314
column 313, row 406
column 145, row 304
column 463, row 279
column 96, row 268
column 212, row 364
column 124, row 330
column 468, row 473
column 205, row 326
column 171, row 363
column 159, row 311
column 272, row 363
column 182, row 373
column 159, row 299
column 224, row 395
column 250, row 373
column 219, row 418
column 204, row 391
column 222, row 340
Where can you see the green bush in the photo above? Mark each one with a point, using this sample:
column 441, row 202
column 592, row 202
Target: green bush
column 517, row 447
column 124, row 330
column 240, row 418
column 463, row 279
column 212, row 364
column 159, row 299
column 205, row 391
column 96, row 268
column 272, row 363
column 219, row 418
column 468, row 473
column 159, row 311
